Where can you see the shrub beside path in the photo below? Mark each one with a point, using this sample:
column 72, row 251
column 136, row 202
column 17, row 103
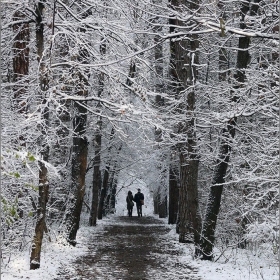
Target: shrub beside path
column 131, row 248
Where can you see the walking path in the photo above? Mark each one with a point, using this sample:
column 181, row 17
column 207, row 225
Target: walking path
column 131, row 248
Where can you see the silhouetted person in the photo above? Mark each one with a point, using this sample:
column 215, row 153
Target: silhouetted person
column 139, row 199
column 129, row 202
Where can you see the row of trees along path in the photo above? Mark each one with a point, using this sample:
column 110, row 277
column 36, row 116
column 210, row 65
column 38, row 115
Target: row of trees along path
column 130, row 248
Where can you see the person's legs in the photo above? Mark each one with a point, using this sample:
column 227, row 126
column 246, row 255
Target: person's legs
column 138, row 209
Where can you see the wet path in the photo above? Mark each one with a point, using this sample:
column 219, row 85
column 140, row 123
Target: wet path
column 131, row 248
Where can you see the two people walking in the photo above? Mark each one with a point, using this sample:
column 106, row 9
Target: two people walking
column 139, row 200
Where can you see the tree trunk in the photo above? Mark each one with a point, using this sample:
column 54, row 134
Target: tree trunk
column 156, row 201
column 173, row 171
column 113, row 194
column 109, row 206
column 43, row 171
column 214, row 200
column 41, row 215
column 103, row 193
column 78, row 172
column 71, row 220
column 20, row 62
column 184, row 74
column 162, row 207
column 105, row 181
column 159, row 103
column 96, row 182
column 20, row 79
column 113, row 187
column 173, row 195
column 190, row 222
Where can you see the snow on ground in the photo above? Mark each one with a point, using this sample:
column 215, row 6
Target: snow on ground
column 53, row 255
column 233, row 265
column 242, row 265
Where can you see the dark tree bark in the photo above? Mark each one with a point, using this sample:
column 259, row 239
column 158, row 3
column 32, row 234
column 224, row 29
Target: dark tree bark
column 20, row 77
column 174, row 88
column 20, row 62
column 96, row 182
column 214, row 200
column 78, row 172
column 108, row 178
column 184, row 74
column 131, row 75
column 105, row 181
column 216, row 189
column 190, row 222
column 110, row 192
column 71, row 220
column 173, row 194
column 40, row 226
column 156, row 201
column 113, row 189
column 112, row 201
column 162, row 207
column 43, row 197
column 101, row 204
column 161, row 198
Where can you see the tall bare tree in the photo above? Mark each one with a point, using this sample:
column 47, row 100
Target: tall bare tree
column 185, row 60
column 97, row 141
column 160, row 191
column 79, row 154
column 78, row 170
column 43, row 171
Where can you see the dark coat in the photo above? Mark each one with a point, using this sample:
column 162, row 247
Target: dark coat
column 137, row 197
column 129, row 198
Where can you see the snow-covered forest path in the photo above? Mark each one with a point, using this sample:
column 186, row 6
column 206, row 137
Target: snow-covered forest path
column 130, row 248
